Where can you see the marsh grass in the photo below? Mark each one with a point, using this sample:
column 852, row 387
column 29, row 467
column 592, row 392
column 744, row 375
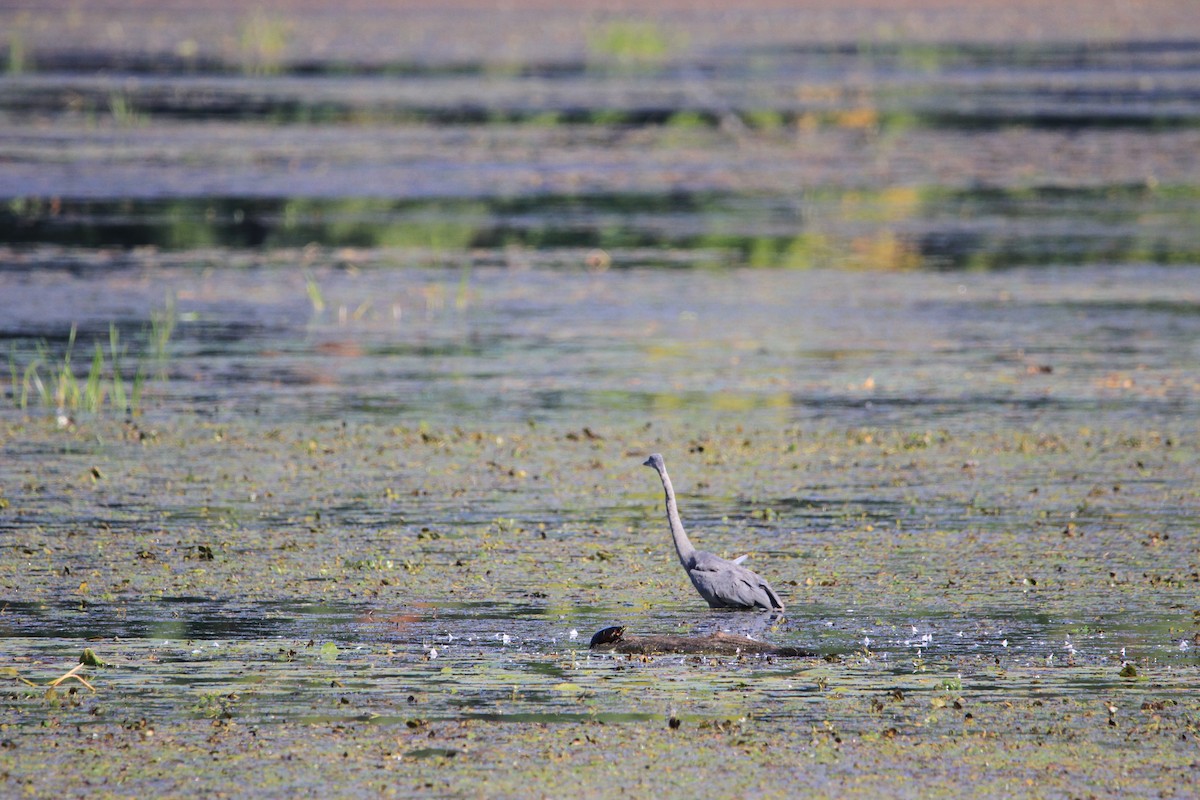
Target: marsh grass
column 315, row 297
column 123, row 111
column 162, row 325
column 632, row 42
column 52, row 380
column 263, row 41
column 18, row 52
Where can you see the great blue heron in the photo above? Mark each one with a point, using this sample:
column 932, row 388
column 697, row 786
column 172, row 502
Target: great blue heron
column 721, row 582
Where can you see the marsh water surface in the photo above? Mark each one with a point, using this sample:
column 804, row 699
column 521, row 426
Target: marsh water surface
column 330, row 372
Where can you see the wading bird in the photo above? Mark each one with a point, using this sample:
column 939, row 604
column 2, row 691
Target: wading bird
column 721, row 582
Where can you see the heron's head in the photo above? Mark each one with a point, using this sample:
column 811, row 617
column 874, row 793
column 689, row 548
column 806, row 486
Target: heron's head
column 655, row 460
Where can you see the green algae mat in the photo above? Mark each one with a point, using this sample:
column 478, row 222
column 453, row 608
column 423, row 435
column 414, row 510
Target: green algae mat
column 395, row 610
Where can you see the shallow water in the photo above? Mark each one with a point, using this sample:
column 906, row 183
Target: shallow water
column 758, row 150
column 268, row 664
column 777, row 348
column 912, row 312
column 975, row 493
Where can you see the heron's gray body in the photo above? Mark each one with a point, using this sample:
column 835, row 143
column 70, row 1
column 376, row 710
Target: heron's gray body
column 721, row 582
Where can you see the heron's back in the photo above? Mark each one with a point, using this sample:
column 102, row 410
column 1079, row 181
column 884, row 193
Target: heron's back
column 725, row 584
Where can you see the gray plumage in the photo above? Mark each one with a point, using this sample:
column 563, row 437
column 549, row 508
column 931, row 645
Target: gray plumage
column 721, row 582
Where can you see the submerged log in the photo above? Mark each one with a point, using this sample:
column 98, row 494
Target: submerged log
column 614, row 640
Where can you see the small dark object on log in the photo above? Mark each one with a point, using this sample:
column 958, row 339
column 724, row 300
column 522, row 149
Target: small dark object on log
column 607, row 636
column 613, row 640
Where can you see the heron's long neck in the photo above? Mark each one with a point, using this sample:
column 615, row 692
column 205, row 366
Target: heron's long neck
column 683, row 545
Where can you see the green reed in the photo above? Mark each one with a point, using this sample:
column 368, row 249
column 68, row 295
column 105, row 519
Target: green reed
column 53, row 380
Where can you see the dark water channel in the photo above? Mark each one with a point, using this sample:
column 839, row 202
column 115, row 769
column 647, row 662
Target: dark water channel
column 264, row 664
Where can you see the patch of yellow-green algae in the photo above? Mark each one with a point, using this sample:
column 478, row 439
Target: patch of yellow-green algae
column 1141, row 757
column 886, row 527
column 1001, row 518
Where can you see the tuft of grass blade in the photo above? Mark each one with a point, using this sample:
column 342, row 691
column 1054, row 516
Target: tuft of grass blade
column 314, row 293
column 120, row 401
column 92, row 397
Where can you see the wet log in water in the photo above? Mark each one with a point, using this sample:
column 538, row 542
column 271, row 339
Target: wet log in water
column 614, row 640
